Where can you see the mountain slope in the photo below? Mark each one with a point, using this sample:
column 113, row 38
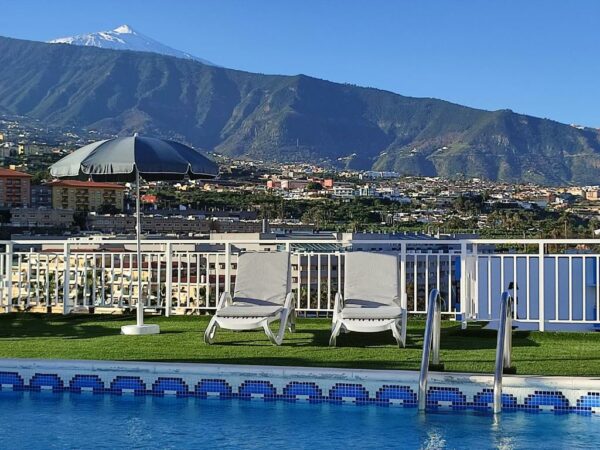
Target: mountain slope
column 125, row 38
column 285, row 118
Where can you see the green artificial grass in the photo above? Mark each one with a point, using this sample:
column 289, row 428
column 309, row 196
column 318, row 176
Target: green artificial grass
column 27, row 335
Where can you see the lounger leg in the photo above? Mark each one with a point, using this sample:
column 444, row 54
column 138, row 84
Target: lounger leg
column 397, row 332
column 292, row 321
column 274, row 339
column 287, row 319
column 211, row 330
column 334, row 333
column 403, row 325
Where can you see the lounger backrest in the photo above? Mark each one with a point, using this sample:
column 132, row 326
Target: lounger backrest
column 372, row 276
column 263, row 276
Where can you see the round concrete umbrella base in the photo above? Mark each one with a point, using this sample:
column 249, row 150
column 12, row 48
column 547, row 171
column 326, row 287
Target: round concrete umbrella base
column 140, row 329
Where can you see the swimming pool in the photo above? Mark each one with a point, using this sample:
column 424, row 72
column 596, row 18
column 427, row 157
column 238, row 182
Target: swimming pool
column 116, row 404
column 68, row 420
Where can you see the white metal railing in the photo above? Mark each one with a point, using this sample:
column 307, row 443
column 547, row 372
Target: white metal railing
column 556, row 288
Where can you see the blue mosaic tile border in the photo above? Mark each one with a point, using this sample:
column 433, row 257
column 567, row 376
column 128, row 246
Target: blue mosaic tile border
column 355, row 393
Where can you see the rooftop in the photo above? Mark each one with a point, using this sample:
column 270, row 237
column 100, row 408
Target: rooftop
column 86, row 184
column 13, row 173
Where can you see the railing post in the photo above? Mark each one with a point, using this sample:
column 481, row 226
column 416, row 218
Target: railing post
column 169, row 278
column 474, row 285
column 66, row 277
column 541, row 286
column 464, row 300
column 8, row 275
column 227, row 268
column 403, row 276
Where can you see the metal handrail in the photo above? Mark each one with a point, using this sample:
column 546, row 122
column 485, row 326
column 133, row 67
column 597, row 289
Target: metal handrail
column 503, row 347
column 431, row 343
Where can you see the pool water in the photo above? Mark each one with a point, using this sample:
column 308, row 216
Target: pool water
column 46, row 420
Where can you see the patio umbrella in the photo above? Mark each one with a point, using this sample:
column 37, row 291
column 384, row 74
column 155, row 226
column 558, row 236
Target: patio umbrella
column 129, row 159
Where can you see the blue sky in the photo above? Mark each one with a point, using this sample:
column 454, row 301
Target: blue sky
column 536, row 57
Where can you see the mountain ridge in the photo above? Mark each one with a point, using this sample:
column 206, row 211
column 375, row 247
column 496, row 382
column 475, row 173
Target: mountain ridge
column 287, row 118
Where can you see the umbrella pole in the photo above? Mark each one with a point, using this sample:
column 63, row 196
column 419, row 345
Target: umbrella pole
column 139, row 327
column 138, row 232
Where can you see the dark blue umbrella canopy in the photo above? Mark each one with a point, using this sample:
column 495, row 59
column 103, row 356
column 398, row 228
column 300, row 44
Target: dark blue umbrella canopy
column 117, row 160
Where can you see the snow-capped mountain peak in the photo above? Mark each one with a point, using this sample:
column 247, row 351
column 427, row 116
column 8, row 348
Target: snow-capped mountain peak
column 125, row 38
column 124, row 29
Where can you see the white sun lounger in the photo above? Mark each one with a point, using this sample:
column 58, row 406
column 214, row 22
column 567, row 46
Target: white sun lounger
column 262, row 295
column 372, row 298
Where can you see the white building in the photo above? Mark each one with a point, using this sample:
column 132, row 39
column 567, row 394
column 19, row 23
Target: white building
column 341, row 191
column 392, row 193
column 366, row 191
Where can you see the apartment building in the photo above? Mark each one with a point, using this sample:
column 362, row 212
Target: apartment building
column 15, row 188
column 42, row 217
column 41, row 196
column 181, row 225
column 236, row 226
column 86, row 195
column 29, row 149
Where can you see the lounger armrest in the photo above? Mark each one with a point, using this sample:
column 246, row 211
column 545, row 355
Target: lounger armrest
column 404, row 301
column 338, row 305
column 289, row 301
column 225, row 300
column 339, row 302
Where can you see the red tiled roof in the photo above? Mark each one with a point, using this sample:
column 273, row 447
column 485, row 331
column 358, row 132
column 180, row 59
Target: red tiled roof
column 13, row 173
column 149, row 198
column 85, row 184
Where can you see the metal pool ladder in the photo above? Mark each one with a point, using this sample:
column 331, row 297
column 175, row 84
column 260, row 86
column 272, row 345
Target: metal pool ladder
column 503, row 347
column 431, row 343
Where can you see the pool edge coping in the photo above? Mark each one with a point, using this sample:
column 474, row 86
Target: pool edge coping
column 395, row 376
